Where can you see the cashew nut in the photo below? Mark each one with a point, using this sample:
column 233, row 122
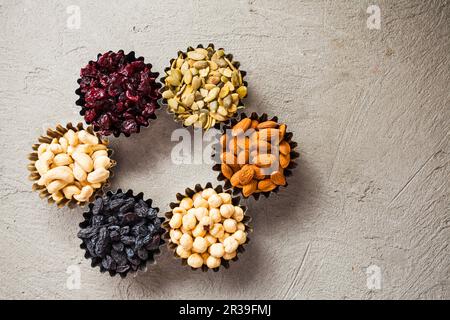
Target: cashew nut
column 71, row 137
column 47, row 156
column 84, row 161
column 87, row 138
column 59, row 173
column 57, row 196
column 62, row 159
column 70, row 191
column 99, row 153
column 56, row 185
column 56, row 148
column 102, row 162
column 79, row 173
column 42, row 148
column 85, row 194
column 98, row 175
column 41, row 167
column 83, row 148
column 64, row 144
column 98, row 147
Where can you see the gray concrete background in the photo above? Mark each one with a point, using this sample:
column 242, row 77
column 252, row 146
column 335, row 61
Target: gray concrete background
column 370, row 110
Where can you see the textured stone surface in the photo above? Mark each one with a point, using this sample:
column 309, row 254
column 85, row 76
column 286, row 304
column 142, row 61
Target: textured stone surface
column 369, row 108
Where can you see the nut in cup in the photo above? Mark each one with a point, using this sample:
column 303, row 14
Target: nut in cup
column 70, row 165
column 207, row 228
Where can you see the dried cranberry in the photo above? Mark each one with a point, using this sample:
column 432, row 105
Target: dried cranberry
column 118, row 93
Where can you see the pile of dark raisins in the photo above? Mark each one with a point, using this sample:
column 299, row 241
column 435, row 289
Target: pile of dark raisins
column 118, row 93
column 121, row 232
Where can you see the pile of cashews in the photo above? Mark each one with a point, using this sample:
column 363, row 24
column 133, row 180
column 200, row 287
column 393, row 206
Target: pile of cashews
column 73, row 166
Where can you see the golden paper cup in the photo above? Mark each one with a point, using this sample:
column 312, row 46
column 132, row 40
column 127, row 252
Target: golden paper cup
column 218, row 149
column 236, row 64
column 34, row 175
column 189, row 193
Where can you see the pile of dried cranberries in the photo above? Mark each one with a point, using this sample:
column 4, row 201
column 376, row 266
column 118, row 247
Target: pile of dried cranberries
column 118, row 93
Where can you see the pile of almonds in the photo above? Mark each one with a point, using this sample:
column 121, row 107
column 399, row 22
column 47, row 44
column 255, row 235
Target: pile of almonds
column 203, row 87
column 207, row 228
column 73, row 166
column 254, row 155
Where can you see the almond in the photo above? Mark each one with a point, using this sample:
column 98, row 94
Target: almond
column 262, row 146
column 228, row 158
column 226, row 171
column 278, row 178
column 269, row 134
column 285, row 160
column 266, row 185
column 235, row 179
column 243, row 142
column 285, row 148
column 243, row 157
column 282, row 130
column 241, row 126
column 246, row 174
column 232, row 146
column 259, row 175
column 264, row 160
column 249, row 188
column 223, row 141
column 267, row 124
column 254, row 124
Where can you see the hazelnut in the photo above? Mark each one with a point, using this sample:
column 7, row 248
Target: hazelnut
column 179, row 210
column 238, row 214
column 240, row 236
column 230, row 244
column 215, row 215
column 186, row 203
column 200, row 202
column 175, row 235
column 195, row 260
column 217, row 250
column 175, row 221
column 227, row 210
column 212, row 262
column 207, row 193
column 215, row 201
column 210, row 239
column 226, row 197
column 189, row 221
column 186, row 241
column 199, row 231
column 229, row 256
column 182, row 252
column 230, row 225
column 206, row 221
column 200, row 212
column 217, row 230
column 200, row 245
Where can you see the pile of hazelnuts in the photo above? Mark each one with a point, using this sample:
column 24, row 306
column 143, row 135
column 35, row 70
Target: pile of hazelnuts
column 207, row 228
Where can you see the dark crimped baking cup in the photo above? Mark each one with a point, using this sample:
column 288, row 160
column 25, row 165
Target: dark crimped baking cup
column 189, row 193
column 218, row 149
column 123, row 104
column 35, row 176
column 121, row 233
column 164, row 102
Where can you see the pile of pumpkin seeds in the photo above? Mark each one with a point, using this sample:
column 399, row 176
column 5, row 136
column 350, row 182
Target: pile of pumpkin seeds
column 203, row 87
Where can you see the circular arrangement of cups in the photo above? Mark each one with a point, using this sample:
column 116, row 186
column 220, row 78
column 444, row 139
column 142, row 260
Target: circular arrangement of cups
column 228, row 188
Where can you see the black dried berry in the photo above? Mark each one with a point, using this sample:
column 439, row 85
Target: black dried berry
column 121, row 232
column 118, row 246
